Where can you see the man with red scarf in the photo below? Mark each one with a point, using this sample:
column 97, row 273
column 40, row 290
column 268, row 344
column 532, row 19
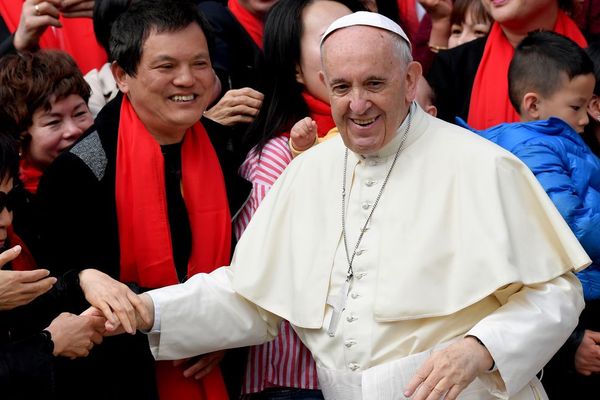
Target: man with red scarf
column 142, row 196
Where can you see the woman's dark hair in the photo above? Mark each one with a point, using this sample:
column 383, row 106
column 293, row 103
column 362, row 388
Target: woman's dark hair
column 29, row 81
column 9, row 157
column 283, row 104
column 390, row 10
column 105, row 13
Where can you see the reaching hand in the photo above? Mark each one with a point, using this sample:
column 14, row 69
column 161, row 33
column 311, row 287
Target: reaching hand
column 303, row 134
column 587, row 356
column 200, row 366
column 75, row 335
column 114, row 299
column 437, row 9
column 77, row 8
column 36, row 16
column 236, row 106
column 449, row 371
column 20, row 287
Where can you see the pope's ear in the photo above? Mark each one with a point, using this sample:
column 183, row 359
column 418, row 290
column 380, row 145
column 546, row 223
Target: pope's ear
column 121, row 77
column 530, row 107
column 414, row 71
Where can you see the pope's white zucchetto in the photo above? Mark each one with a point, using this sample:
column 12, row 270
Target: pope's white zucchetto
column 365, row 18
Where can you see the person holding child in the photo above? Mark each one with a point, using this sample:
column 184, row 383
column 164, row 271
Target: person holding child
column 469, row 81
column 551, row 82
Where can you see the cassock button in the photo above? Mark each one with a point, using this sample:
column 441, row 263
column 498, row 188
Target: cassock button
column 361, row 275
column 372, row 162
column 353, row 366
column 370, row 182
column 366, row 205
column 354, row 295
column 349, row 343
column 359, row 252
column 351, row 318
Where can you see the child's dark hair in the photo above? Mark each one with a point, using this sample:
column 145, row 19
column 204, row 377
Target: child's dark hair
column 461, row 8
column 540, row 62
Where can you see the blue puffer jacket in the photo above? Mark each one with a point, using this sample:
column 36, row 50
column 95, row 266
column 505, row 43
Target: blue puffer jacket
column 570, row 174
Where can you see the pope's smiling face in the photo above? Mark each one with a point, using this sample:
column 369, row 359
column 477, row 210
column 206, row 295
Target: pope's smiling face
column 370, row 87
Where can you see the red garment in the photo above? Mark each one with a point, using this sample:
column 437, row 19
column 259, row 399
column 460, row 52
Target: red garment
column 253, row 25
column 320, row 112
column 490, row 104
column 29, row 175
column 409, row 17
column 76, row 36
column 25, row 261
column 144, row 235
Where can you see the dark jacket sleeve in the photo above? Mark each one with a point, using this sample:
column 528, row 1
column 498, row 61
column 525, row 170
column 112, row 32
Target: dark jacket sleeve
column 27, row 368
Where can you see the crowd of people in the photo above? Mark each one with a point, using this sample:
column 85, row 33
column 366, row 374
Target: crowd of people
column 299, row 199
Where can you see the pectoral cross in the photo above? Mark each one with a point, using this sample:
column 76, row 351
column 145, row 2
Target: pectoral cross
column 338, row 303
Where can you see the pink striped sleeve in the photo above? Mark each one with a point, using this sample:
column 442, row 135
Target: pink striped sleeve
column 262, row 171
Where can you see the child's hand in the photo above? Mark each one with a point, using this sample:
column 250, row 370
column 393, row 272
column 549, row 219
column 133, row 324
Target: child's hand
column 303, row 134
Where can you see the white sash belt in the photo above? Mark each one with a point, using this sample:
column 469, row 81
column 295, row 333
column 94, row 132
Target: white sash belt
column 388, row 382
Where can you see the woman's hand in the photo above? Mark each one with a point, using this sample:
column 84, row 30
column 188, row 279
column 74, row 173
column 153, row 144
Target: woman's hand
column 18, row 288
column 114, row 299
column 236, row 106
column 36, row 16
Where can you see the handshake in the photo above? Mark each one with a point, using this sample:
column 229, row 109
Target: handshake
column 122, row 309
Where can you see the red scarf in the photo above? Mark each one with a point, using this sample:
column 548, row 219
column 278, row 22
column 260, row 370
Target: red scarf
column 144, row 235
column 490, row 104
column 253, row 25
column 25, row 261
column 320, row 112
column 409, row 18
column 76, row 36
column 29, row 175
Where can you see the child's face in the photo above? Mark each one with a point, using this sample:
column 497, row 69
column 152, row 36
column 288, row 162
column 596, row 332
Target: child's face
column 468, row 30
column 569, row 102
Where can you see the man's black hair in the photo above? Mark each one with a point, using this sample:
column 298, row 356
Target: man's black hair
column 541, row 61
column 131, row 29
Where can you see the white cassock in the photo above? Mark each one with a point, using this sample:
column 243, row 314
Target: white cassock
column 464, row 241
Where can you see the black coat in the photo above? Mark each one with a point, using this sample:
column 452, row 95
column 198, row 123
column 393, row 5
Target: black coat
column 451, row 77
column 78, row 229
column 28, row 370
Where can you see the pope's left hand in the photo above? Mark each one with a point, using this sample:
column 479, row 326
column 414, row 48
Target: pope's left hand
column 449, row 371
column 200, row 366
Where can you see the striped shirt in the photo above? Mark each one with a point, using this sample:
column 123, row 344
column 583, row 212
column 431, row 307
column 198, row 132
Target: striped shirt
column 285, row 361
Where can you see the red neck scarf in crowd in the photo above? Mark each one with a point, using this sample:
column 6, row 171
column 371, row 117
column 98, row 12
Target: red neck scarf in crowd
column 144, row 234
column 25, row 261
column 408, row 17
column 320, row 112
column 250, row 22
column 29, row 175
column 76, row 36
column 490, row 104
